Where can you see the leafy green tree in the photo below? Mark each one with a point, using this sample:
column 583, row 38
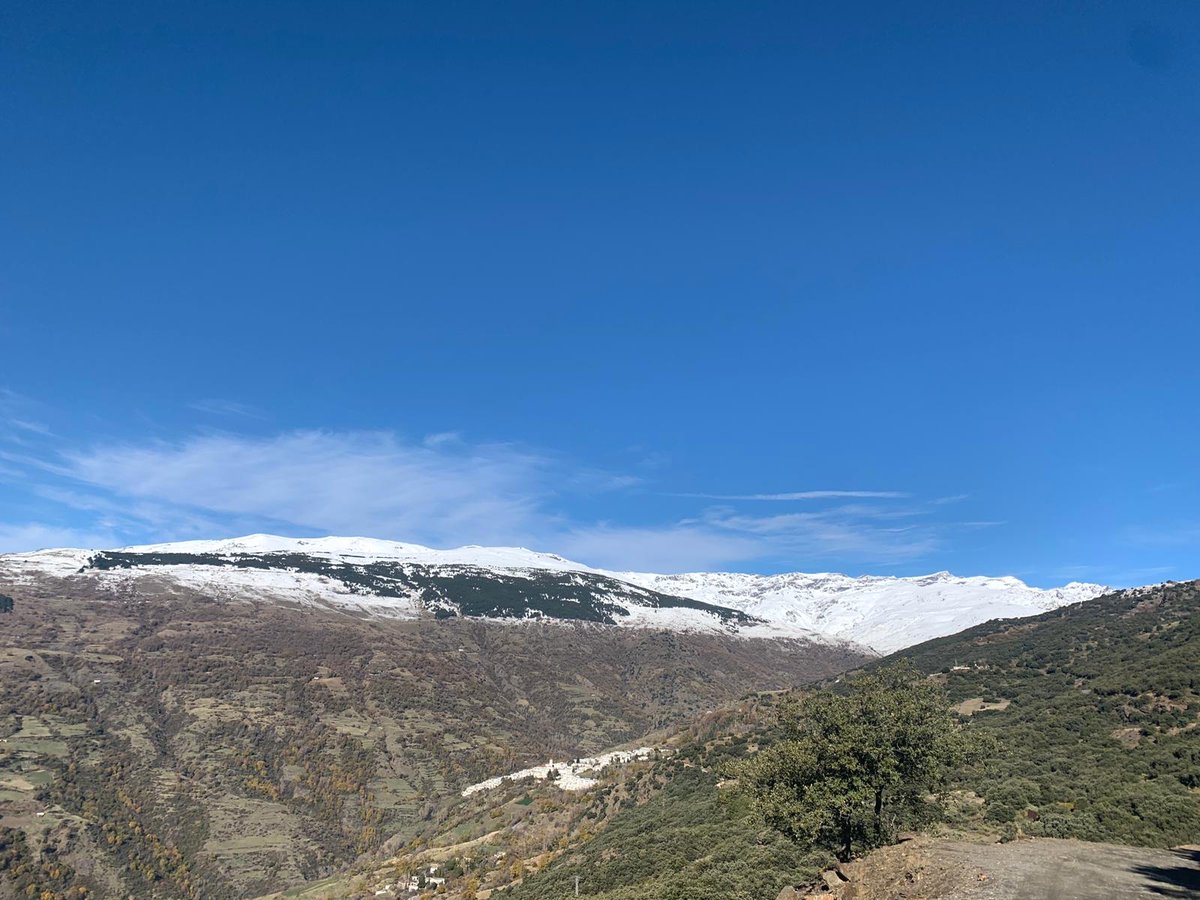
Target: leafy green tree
column 853, row 767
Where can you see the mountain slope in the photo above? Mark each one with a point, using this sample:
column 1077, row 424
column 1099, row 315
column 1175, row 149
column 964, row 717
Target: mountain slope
column 1097, row 707
column 383, row 578
column 404, row 585
column 222, row 720
column 1094, row 708
column 159, row 740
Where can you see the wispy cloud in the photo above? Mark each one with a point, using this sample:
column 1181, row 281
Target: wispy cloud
column 953, row 498
column 219, row 407
column 32, row 427
column 802, row 495
column 444, row 490
column 19, row 417
column 724, row 537
column 845, row 532
column 373, row 483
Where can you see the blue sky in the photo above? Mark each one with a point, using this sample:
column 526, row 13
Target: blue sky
column 862, row 287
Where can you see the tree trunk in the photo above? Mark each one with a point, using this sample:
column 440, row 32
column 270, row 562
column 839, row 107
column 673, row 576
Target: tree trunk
column 878, row 813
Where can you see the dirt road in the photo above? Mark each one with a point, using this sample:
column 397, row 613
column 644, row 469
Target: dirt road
column 929, row 869
column 1072, row 870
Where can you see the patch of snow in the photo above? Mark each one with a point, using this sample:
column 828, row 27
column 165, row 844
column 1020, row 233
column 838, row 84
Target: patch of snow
column 20, row 567
column 270, row 586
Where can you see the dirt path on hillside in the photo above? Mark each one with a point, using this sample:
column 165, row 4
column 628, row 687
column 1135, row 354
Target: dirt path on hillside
column 928, row 869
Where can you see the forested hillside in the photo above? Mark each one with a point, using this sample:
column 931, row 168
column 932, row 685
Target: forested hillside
column 1096, row 708
column 1094, row 711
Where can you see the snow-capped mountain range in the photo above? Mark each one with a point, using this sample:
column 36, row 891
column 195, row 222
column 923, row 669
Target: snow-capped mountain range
column 365, row 576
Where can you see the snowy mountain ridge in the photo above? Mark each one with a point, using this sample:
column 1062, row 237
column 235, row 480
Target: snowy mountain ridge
column 376, row 577
column 372, row 550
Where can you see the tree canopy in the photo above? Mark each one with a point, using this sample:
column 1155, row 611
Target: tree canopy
column 855, row 766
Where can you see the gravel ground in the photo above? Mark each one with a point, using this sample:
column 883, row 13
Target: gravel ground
column 1072, row 870
column 930, row 869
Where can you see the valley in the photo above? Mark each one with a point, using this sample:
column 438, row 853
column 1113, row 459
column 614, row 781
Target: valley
column 161, row 741
column 1054, row 696
column 244, row 718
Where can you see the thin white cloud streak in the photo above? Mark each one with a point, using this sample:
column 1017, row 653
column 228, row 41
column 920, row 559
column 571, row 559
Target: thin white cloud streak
column 735, row 542
column 953, row 498
column 20, row 416
column 218, row 407
column 803, row 495
column 30, row 426
column 841, row 532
